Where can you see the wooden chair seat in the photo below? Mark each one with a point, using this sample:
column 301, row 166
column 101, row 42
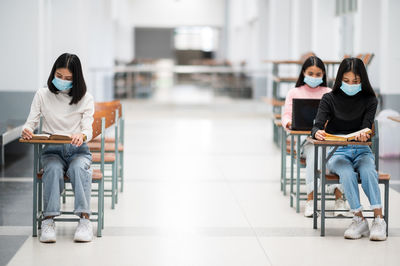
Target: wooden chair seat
column 288, row 142
column 97, row 175
column 108, row 157
column 288, row 150
column 302, row 160
column 278, row 123
column 274, row 102
column 107, row 139
column 331, row 177
column 96, row 146
column 286, row 79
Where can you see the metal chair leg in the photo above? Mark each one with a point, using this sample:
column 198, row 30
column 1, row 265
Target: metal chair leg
column 387, row 207
column 113, row 187
column 323, row 171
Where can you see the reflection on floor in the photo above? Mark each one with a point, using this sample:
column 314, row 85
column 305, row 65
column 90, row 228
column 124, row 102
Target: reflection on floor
column 202, row 188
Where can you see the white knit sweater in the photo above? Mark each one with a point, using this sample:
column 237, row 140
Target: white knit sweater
column 59, row 116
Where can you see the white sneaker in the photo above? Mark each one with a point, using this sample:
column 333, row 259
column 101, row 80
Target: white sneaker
column 48, row 231
column 309, row 210
column 84, row 231
column 341, row 205
column 357, row 229
column 378, row 230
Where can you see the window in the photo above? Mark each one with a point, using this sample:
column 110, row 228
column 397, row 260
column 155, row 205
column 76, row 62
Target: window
column 196, row 38
column 345, row 7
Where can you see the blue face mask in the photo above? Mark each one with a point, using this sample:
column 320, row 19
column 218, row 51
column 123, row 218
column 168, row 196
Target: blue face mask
column 61, row 84
column 350, row 90
column 312, row 82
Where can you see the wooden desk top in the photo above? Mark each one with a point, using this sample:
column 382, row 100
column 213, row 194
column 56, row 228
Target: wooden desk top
column 299, row 62
column 278, row 123
column 299, row 132
column 394, row 118
column 337, row 143
column 272, row 101
column 41, row 141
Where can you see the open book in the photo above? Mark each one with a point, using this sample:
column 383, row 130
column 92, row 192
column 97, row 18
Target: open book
column 347, row 137
column 51, row 137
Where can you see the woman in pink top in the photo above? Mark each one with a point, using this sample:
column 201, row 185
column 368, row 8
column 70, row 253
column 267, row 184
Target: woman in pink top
column 311, row 84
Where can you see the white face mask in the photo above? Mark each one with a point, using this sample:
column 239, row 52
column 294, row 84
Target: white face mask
column 61, row 84
column 312, row 82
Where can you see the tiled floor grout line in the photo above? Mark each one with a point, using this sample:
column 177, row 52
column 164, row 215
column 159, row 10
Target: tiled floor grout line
column 227, row 182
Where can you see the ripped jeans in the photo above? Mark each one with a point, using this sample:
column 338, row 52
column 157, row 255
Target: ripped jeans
column 349, row 163
column 74, row 162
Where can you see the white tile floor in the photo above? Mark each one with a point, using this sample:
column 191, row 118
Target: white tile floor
column 202, row 188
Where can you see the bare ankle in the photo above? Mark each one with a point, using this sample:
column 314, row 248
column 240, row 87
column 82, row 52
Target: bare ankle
column 338, row 194
column 359, row 214
column 310, row 196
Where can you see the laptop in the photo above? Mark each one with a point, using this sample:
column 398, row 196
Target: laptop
column 304, row 112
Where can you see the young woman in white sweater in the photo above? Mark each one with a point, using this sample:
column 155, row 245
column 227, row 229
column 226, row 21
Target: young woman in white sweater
column 67, row 108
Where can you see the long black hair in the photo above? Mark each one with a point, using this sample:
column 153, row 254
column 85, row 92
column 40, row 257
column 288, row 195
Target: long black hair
column 311, row 61
column 73, row 64
column 356, row 66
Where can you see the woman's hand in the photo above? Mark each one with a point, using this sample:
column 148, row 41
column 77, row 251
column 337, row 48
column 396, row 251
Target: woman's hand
column 363, row 137
column 320, row 135
column 289, row 125
column 27, row 134
column 77, row 139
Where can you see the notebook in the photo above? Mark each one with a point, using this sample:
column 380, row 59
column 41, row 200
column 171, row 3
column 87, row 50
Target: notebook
column 304, row 112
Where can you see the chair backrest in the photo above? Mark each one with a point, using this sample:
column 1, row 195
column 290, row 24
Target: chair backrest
column 109, row 115
column 367, row 59
column 96, row 126
column 360, row 56
column 116, row 104
column 306, row 55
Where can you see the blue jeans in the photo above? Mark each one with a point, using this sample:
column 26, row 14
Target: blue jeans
column 75, row 163
column 349, row 163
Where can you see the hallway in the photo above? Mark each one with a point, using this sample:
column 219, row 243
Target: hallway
column 202, row 188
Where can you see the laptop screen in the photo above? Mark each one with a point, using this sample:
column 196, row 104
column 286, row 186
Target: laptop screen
column 303, row 113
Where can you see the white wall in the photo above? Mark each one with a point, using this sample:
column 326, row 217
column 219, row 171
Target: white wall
column 35, row 32
column 279, row 32
column 75, row 28
column 123, row 31
column 19, row 45
column 323, row 25
column 390, row 43
column 367, row 33
column 172, row 13
column 301, row 25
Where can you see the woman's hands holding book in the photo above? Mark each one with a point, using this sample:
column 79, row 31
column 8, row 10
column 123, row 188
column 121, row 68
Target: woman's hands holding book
column 27, row 134
column 77, row 139
column 363, row 137
column 320, row 135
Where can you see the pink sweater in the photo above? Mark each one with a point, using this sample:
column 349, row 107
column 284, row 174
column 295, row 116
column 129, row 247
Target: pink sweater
column 303, row 92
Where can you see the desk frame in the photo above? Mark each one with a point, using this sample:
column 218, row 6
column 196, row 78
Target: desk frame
column 325, row 158
column 297, row 134
column 37, row 215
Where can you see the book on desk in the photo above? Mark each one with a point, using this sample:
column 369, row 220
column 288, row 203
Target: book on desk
column 348, row 137
column 57, row 136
